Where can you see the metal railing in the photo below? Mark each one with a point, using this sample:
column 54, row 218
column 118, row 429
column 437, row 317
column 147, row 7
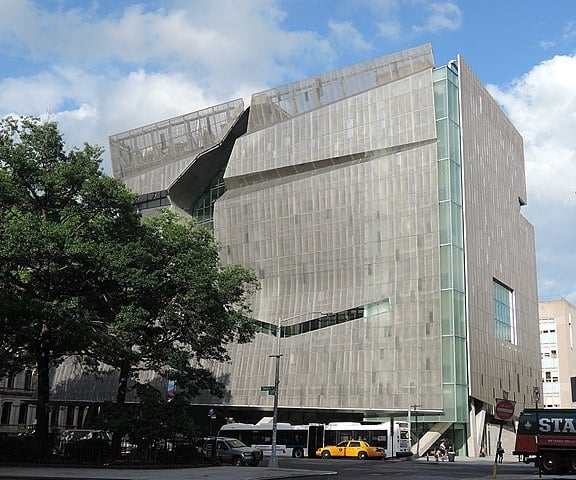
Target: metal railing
column 23, row 448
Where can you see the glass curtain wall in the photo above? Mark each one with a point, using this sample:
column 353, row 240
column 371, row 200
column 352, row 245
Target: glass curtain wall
column 204, row 207
column 454, row 331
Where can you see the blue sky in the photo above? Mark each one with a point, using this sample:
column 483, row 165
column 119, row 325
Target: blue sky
column 103, row 67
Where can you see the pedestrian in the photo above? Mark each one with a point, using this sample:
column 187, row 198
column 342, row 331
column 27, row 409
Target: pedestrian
column 442, row 451
column 499, row 453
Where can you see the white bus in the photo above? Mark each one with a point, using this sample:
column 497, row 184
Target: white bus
column 395, row 442
column 291, row 440
column 303, row 440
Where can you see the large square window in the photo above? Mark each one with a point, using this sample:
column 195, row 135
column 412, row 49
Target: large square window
column 504, row 313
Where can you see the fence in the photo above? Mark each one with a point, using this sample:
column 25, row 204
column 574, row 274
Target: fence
column 98, row 451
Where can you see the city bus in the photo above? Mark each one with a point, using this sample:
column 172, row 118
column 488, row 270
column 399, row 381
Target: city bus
column 395, row 442
column 303, row 440
column 291, row 440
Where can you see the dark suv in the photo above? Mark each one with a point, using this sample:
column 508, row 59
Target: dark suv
column 230, row 450
column 85, row 444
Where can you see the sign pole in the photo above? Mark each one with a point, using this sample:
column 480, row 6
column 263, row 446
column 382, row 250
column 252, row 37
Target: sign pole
column 495, row 469
column 536, row 399
column 503, row 412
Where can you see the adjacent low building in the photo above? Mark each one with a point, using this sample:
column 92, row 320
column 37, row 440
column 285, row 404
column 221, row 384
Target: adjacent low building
column 557, row 338
column 17, row 402
column 388, row 193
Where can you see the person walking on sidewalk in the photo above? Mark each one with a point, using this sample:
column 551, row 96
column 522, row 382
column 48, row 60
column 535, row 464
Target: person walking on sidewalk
column 499, row 453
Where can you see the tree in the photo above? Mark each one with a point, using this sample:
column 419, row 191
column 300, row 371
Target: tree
column 155, row 418
column 82, row 275
column 172, row 308
column 59, row 215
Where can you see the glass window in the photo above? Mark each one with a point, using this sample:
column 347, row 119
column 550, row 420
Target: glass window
column 444, row 171
column 447, row 312
column 444, row 217
column 460, row 360
column 439, row 73
column 457, row 232
column 23, row 414
column 453, row 104
column 455, row 183
column 458, row 266
column 440, row 99
column 70, row 416
column 504, row 318
column 448, row 368
column 28, row 380
column 442, row 133
column 459, row 314
column 54, row 415
column 6, row 412
column 445, row 267
column 204, row 207
column 454, row 141
column 382, row 306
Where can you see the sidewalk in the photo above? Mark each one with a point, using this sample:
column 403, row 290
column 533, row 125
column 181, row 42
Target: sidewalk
column 529, row 472
column 213, row 473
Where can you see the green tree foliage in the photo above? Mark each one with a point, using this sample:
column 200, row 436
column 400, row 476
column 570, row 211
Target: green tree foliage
column 155, row 418
column 81, row 274
column 58, row 215
column 173, row 308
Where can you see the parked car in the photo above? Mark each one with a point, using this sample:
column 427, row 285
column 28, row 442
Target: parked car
column 351, row 448
column 232, row 450
column 85, row 444
column 206, row 446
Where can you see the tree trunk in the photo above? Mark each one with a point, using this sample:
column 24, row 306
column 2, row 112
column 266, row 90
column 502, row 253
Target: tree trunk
column 42, row 409
column 120, row 401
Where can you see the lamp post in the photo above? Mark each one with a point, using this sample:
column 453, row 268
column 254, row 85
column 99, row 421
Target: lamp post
column 409, row 412
column 415, row 407
column 273, row 462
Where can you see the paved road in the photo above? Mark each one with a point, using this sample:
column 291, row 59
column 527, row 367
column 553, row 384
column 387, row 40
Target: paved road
column 461, row 468
column 311, row 469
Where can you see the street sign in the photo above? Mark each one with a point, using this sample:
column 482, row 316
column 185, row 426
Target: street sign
column 504, row 409
column 267, row 388
column 536, row 394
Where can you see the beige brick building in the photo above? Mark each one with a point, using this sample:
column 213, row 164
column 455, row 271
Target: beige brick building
column 558, row 353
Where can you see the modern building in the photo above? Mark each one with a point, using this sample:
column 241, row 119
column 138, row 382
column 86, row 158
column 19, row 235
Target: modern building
column 388, row 193
column 558, row 353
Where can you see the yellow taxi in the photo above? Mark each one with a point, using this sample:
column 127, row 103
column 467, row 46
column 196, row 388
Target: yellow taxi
column 351, row 448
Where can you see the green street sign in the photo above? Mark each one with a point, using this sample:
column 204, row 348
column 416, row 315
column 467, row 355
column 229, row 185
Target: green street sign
column 267, row 388
column 271, row 392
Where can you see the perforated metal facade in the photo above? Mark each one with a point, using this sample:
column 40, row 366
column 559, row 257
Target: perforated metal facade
column 389, row 193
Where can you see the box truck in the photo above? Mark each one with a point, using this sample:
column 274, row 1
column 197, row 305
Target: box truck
column 550, row 435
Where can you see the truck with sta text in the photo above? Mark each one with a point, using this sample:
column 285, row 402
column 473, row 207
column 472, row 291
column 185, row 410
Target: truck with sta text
column 549, row 434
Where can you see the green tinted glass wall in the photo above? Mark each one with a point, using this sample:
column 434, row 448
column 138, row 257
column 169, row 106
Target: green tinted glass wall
column 454, row 352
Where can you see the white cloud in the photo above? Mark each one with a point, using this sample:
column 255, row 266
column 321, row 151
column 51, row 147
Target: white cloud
column 211, row 40
column 106, row 72
column 344, row 33
column 569, row 33
column 442, row 16
column 547, row 44
column 542, row 106
column 433, row 17
column 131, row 101
column 391, row 28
